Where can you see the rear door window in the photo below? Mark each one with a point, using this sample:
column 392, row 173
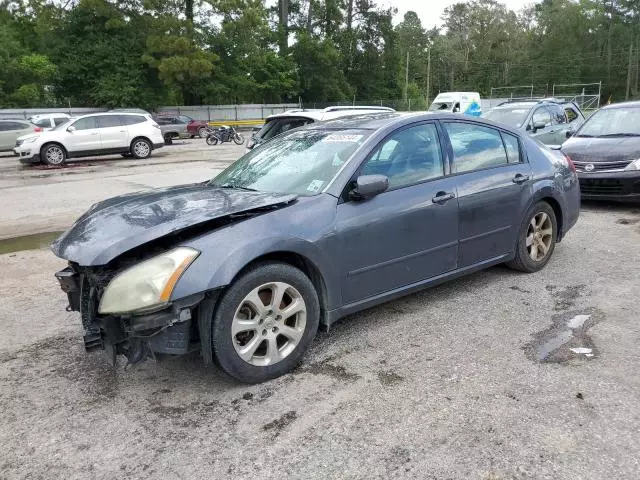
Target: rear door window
column 107, row 121
column 475, row 147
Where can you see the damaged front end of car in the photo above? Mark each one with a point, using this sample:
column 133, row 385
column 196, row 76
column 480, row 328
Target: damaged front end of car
column 159, row 327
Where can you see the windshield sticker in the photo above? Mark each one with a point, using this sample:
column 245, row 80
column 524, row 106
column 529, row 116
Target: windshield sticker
column 340, row 138
column 315, row 186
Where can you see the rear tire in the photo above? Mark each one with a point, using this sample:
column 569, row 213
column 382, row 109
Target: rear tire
column 168, row 140
column 212, row 140
column 141, row 148
column 271, row 337
column 202, row 132
column 53, row 154
column 536, row 240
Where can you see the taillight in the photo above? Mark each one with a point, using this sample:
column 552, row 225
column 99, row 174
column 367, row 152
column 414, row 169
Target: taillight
column 570, row 162
column 37, row 129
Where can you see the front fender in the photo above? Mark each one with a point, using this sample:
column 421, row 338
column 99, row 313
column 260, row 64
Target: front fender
column 226, row 251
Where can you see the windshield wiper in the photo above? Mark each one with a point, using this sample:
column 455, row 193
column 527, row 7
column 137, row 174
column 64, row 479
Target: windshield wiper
column 584, row 136
column 619, row 135
column 236, row 187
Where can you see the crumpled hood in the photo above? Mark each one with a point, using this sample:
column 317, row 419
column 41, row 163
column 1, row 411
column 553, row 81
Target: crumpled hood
column 610, row 149
column 114, row 226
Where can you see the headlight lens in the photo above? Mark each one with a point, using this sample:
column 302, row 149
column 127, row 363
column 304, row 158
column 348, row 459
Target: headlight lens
column 635, row 165
column 148, row 284
column 30, row 140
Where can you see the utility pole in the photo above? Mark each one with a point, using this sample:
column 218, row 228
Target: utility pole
column 629, row 71
column 428, row 74
column 406, row 79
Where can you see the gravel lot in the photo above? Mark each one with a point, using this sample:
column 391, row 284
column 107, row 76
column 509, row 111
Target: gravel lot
column 472, row 379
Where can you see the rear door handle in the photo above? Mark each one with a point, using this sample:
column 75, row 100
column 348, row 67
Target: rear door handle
column 520, row 178
column 443, row 197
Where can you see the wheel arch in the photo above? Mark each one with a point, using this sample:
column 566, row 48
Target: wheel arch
column 547, row 193
column 54, row 142
column 303, row 263
column 141, row 137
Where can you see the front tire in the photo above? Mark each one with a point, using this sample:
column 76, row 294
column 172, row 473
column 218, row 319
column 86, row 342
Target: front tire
column 141, row 148
column 238, row 139
column 536, row 240
column 265, row 322
column 53, row 154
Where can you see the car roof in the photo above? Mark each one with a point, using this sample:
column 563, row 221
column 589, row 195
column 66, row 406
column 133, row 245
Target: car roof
column 633, row 104
column 396, row 119
column 330, row 112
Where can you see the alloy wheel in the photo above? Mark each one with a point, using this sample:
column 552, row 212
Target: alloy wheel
column 54, row 155
column 269, row 323
column 539, row 236
column 141, row 149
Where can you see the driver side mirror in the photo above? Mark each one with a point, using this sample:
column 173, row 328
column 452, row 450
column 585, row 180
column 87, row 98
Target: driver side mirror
column 71, row 129
column 368, row 186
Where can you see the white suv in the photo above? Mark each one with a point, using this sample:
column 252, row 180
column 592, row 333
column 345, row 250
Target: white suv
column 96, row 134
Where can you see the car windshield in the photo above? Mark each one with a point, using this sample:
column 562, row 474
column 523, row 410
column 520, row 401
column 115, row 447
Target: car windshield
column 613, row 122
column 448, row 106
column 513, row 117
column 300, row 162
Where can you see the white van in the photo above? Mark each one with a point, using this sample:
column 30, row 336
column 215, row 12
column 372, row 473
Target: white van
column 457, row 102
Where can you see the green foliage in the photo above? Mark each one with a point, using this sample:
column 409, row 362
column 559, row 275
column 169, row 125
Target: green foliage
column 146, row 53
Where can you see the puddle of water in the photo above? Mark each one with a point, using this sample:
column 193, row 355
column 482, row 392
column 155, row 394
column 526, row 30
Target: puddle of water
column 28, row 242
column 566, row 339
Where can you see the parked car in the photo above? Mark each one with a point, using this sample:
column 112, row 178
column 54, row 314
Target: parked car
column 549, row 121
column 197, row 128
column 47, row 121
column 11, row 130
column 321, row 222
column 468, row 103
column 172, row 126
column 95, row 134
column 42, row 123
column 606, row 153
column 279, row 123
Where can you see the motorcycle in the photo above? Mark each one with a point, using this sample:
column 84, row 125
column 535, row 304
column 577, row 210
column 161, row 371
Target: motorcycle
column 224, row 134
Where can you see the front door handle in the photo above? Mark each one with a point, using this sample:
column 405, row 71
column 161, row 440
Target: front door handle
column 520, row 178
column 443, row 197
column 95, row 133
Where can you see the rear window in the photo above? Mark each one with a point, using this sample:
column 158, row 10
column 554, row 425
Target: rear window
column 60, row 120
column 43, row 122
column 132, row 119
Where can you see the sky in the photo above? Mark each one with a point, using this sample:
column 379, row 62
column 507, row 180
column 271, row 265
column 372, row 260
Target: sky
column 430, row 11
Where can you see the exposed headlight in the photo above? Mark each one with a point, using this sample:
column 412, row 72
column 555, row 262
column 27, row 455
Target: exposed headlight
column 148, row 284
column 635, row 165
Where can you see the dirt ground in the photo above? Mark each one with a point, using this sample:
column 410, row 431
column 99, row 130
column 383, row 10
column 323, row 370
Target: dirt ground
column 475, row 379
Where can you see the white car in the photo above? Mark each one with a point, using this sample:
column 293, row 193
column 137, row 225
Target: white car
column 129, row 134
column 47, row 121
column 281, row 122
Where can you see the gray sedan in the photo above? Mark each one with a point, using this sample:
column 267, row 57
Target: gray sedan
column 321, row 222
